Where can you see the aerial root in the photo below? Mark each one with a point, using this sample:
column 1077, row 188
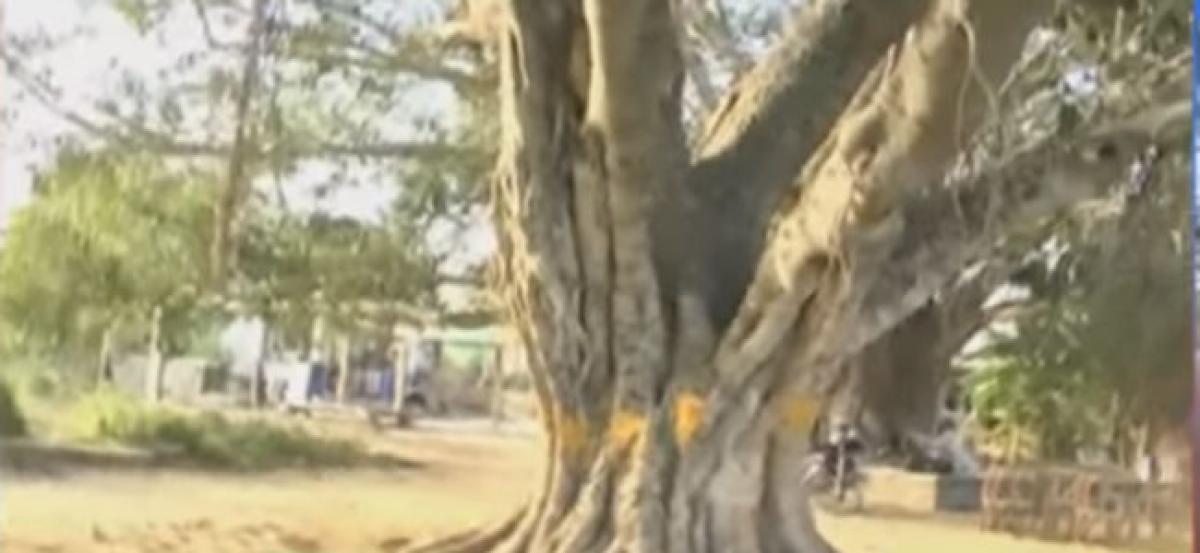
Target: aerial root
column 476, row 540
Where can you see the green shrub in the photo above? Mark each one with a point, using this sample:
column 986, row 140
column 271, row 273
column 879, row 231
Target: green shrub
column 102, row 415
column 209, row 438
column 43, row 378
column 42, row 386
column 12, row 422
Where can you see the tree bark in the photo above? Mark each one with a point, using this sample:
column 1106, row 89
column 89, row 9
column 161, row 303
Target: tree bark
column 258, row 381
column 232, row 195
column 342, row 347
column 154, row 357
column 758, row 138
column 897, row 377
column 670, row 429
column 322, row 348
column 401, row 349
column 104, row 374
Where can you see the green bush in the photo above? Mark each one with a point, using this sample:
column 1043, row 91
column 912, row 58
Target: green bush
column 12, row 422
column 43, row 386
column 44, row 378
column 209, row 439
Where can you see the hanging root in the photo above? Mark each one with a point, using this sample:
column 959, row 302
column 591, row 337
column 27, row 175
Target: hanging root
column 973, row 72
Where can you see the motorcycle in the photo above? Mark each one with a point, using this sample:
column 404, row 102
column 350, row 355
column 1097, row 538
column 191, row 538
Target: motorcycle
column 833, row 472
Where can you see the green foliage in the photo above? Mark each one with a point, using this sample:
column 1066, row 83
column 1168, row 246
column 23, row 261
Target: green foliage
column 344, row 259
column 352, row 91
column 1038, row 389
column 12, row 420
column 204, row 341
column 331, row 265
column 108, row 237
column 1106, row 350
column 37, row 379
column 209, row 439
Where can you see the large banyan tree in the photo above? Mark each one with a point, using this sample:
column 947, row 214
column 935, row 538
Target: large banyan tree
column 690, row 304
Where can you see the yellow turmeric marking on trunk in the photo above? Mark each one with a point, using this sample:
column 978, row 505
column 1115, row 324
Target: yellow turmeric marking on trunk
column 800, row 411
column 572, row 434
column 625, row 428
column 689, row 411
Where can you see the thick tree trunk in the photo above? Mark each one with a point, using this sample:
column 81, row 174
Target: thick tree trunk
column 671, row 426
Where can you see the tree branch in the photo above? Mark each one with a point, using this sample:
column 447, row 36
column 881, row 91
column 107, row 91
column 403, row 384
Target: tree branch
column 353, row 12
column 131, row 134
column 469, row 280
column 206, row 27
column 706, row 31
column 759, row 137
column 715, row 29
column 411, row 55
column 1029, row 187
column 231, row 196
column 832, row 237
column 634, row 131
column 135, row 135
column 395, row 63
column 814, row 71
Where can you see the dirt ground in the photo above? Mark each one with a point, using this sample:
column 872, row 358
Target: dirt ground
column 462, row 476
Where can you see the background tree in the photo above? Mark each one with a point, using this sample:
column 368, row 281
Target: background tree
column 1099, row 355
column 109, row 238
column 329, row 103
column 353, row 279
column 270, row 93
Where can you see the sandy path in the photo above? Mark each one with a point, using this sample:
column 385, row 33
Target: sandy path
column 464, row 479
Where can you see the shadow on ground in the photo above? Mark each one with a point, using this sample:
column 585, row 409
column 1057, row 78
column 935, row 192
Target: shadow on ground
column 31, row 458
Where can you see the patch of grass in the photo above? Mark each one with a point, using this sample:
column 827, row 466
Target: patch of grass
column 208, row 439
column 40, row 387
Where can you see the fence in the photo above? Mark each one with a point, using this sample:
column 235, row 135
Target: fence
column 1076, row 504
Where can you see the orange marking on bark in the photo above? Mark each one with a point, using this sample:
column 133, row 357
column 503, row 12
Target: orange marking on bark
column 626, row 427
column 572, row 434
column 800, row 412
column 689, row 410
